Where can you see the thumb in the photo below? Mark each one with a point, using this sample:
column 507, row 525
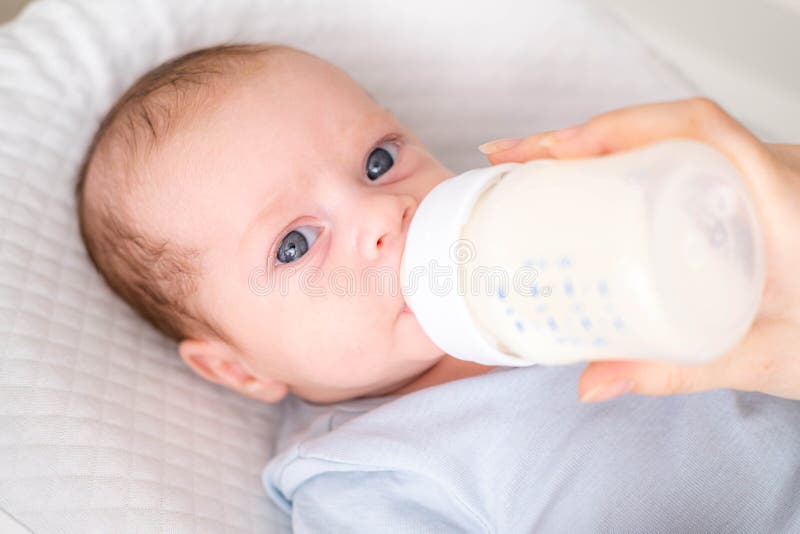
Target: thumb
column 605, row 380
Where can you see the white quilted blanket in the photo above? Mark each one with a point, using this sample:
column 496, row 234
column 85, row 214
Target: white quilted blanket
column 102, row 428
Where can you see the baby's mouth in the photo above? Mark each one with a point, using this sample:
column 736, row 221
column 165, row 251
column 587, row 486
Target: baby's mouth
column 408, row 214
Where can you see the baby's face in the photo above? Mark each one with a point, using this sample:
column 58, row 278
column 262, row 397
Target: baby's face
column 296, row 188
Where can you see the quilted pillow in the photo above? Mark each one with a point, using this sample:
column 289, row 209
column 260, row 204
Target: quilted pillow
column 102, row 427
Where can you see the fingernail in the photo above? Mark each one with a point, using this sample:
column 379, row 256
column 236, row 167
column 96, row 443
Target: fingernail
column 559, row 135
column 607, row 391
column 500, row 144
column 252, row 385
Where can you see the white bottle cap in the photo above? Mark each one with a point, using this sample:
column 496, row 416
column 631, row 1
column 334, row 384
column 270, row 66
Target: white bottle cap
column 434, row 253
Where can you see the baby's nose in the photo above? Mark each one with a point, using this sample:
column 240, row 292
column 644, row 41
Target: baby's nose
column 384, row 226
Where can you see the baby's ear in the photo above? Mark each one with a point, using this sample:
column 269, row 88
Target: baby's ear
column 215, row 361
column 201, row 356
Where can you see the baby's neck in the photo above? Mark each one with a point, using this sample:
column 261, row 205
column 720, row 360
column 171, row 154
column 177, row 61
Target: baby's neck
column 445, row 370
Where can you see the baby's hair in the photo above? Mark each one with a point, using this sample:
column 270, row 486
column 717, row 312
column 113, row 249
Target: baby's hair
column 154, row 276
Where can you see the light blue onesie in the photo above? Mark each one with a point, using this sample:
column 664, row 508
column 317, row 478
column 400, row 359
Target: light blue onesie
column 513, row 451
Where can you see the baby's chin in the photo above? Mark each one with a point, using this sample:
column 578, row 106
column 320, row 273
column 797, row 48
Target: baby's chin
column 409, row 355
column 399, row 386
column 397, row 375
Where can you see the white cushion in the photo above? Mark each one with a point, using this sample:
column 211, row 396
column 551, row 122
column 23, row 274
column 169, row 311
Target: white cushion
column 102, row 427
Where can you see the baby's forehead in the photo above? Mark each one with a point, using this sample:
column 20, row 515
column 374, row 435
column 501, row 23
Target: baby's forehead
column 173, row 96
column 287, row 115
column 306, row 88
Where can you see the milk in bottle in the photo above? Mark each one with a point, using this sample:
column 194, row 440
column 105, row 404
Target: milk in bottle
column 647, row 254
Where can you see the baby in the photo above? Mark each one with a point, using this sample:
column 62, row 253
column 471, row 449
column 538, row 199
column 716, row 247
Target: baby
column 225, row 184
column 215, row 172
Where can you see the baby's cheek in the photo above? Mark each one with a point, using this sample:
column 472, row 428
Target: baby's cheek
column 333, row 312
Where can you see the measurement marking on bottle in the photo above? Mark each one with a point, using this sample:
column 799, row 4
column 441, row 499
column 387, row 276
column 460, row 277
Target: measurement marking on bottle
column 602, row 287
column 569, row 289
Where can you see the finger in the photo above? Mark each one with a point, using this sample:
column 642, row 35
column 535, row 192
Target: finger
column 529, row 148
column 543, row 145
column 604, row 380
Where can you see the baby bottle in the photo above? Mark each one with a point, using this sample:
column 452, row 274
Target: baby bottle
column 652, row 253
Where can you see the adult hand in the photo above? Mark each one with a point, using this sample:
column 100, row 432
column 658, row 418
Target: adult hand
column 767, row 358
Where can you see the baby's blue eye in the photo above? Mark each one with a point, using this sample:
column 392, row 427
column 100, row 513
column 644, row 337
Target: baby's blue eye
column 381, row 160
column 295, row 244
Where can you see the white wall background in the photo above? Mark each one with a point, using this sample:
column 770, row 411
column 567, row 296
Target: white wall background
column 743, row 53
